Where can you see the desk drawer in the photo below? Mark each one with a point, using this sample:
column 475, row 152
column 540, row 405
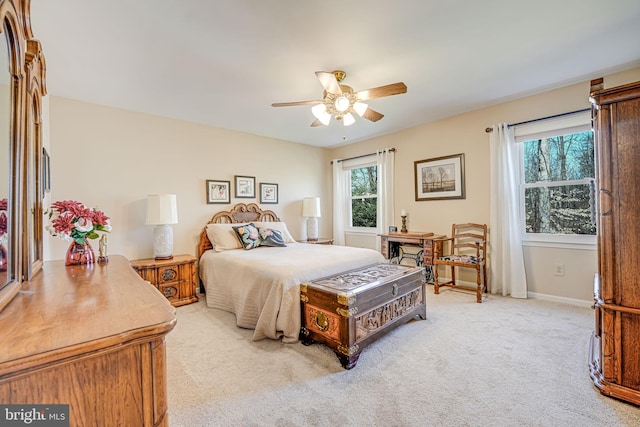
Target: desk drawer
column 430, row 249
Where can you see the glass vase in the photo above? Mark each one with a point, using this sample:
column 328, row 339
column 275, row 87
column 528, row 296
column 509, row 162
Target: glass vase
column 3, row 259
column 79, row 254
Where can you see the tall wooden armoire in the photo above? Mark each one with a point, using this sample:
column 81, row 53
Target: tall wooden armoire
column 615, row 344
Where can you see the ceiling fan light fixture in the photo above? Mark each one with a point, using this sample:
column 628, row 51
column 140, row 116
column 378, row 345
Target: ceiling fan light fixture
column 342, row 103
column 360, row 107
column 348, row 119
column 320, row 112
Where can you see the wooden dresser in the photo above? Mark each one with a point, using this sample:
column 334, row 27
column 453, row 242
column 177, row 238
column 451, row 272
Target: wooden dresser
column 615, row 344
column 92, row 337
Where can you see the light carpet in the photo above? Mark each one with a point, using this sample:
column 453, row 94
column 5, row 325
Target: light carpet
column 505, row 362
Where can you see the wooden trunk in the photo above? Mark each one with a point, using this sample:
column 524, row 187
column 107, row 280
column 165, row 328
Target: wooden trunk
column 615, row 344
column 349, row 311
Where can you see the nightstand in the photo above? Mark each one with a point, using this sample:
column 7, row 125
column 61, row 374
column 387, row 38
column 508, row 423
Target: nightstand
column 175, row 278
column 320, row 241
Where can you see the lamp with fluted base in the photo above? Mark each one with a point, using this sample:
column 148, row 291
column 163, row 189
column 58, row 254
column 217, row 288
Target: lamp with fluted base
column 311, row 210
column 162, row 210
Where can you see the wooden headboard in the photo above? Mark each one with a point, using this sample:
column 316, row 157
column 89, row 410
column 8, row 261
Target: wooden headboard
column 237, row 214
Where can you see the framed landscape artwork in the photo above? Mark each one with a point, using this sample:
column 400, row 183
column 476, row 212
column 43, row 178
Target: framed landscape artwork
column 218, row 191
column 245, row 187
column 440, row 178
column 268, row 193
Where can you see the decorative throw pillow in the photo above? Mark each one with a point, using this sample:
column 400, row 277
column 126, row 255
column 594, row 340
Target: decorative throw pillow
column 280, row 226
column 269, row 237
column 248, row 235
column 223, row 237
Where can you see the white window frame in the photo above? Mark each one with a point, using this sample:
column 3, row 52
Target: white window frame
column 574, row 123
column 347, row 167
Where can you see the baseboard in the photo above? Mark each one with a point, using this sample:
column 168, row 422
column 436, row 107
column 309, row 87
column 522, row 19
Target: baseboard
column 565, row 300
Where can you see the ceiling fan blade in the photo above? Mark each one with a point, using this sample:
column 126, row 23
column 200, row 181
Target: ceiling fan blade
column 292, row 104
column 379, row 92
column 372, row 115
column 329, row 82
column 315, row 123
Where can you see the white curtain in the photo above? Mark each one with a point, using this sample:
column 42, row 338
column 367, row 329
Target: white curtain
column 506, row 256
column 386, row 163
column 339, row 197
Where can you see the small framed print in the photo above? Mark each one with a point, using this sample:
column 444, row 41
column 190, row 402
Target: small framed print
column 268, row 193
column 218, row 192
column 245, row 187
column 393, row 229
column 440, row 178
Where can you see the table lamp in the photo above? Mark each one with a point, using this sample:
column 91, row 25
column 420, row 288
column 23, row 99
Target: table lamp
column 311, row 210
column 162, row 210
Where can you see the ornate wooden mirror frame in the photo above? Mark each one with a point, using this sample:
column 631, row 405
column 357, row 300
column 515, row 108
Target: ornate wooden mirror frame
column 26, row 86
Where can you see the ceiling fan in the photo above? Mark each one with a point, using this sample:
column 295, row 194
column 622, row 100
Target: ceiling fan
column 341, row 101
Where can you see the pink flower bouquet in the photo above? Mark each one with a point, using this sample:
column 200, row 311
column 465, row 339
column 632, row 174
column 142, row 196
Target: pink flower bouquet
column 3, row 221
column 71, row 220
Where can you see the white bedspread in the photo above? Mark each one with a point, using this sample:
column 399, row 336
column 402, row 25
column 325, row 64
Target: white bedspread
column 261, row 286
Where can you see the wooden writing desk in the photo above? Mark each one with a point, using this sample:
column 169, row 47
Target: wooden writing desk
column 390, row 247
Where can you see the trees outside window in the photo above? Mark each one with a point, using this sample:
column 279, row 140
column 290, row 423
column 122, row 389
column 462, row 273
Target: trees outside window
column 364, row 196
column 559, row 174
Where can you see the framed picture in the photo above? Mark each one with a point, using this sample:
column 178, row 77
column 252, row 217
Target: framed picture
column 218, row 191
column 393, row 229
column 440, row 178
column 46, row 172
column 268, row 193
column 245, row 187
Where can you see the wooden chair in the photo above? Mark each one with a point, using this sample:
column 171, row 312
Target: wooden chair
column 467, row 249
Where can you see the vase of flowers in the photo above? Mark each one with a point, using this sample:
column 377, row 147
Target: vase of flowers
column 3, row 234
column 73, row 221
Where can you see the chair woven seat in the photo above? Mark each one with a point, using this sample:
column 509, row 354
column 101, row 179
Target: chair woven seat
column 465, row 259
column 467, row 249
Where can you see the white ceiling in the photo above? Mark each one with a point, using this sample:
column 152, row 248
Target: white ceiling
column 223, row 62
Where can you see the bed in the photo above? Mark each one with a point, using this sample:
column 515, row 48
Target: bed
column 261, row 285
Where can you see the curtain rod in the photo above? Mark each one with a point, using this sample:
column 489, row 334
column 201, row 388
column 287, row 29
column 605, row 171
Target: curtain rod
column 542, row 118
column 362, row 155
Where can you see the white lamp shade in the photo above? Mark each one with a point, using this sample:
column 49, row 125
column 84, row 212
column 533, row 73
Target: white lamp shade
column 360, row 107
column 320, row 113
column 162, row 209
column 348, row 119
column 311, row 207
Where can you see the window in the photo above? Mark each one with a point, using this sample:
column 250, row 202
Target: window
column 363, row 197
column 557, row 180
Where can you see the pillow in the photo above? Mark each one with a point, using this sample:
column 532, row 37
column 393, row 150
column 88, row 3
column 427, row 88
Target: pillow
column 248, row 235
column 281, row 227
column 269, row 237
column 223, row 237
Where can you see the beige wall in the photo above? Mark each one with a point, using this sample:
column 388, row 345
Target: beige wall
column 111, row 159
column 466, row 134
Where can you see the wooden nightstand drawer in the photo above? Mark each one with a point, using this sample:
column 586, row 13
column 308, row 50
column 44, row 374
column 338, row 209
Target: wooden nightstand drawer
column 168, row 274
column 171, row 292
column 175, row 278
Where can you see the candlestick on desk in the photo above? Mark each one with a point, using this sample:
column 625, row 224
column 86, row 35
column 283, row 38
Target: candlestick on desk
column 404, row 224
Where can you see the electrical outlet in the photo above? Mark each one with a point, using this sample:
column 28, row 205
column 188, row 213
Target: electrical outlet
column 558, row 269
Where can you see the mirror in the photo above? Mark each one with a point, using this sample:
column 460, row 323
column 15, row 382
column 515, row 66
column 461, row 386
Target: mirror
column 33, row 185
column 5, row 163
column 22, row 86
